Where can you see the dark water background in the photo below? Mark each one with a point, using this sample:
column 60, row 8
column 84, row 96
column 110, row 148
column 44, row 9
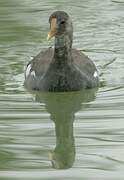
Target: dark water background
column 80, row 132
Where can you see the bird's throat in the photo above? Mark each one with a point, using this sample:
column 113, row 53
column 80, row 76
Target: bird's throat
column 62, row 51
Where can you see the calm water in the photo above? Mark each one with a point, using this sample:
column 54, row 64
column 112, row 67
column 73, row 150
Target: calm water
column 69, row 136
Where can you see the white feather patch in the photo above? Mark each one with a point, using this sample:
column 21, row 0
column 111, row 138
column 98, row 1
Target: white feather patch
column 33, row 73
column 95, row 74
column 28, row 70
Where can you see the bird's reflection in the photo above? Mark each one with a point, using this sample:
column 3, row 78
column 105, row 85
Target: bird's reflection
column 62, row 108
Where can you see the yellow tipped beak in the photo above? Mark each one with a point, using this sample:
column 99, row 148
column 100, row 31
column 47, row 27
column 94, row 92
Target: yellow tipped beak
column 53, row 30
column 50, row 35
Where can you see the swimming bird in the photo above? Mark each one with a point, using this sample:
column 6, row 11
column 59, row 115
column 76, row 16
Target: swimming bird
column 61, row 68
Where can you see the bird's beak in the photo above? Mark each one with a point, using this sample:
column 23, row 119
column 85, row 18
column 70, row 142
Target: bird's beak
column 53, row 29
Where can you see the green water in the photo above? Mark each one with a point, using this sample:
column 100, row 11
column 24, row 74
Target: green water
column 77, row 135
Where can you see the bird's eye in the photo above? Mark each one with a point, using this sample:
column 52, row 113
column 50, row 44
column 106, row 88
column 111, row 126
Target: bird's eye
column 62, row 22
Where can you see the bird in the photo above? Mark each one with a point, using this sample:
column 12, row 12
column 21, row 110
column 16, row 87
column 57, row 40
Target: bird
column 61, row 68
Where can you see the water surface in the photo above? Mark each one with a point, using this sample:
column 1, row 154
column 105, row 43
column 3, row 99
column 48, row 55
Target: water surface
column 79, row 132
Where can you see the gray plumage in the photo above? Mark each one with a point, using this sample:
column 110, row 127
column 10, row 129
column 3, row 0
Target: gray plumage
column 61, row 68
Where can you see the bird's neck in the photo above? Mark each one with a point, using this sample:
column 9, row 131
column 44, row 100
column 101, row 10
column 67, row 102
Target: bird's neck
column 62, row 51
